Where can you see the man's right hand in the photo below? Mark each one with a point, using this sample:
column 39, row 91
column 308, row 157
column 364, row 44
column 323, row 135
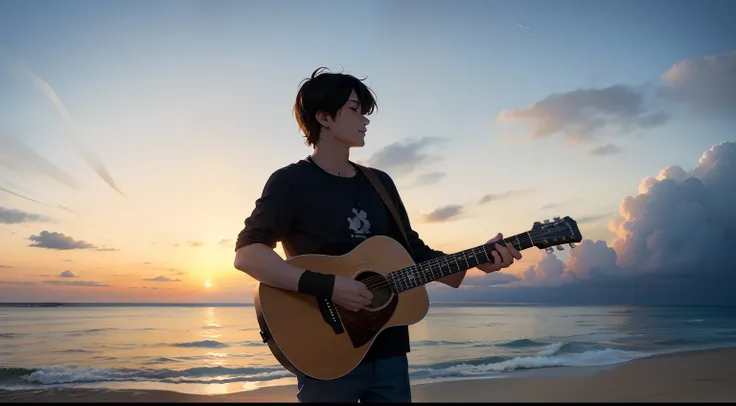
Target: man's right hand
column 351, row 294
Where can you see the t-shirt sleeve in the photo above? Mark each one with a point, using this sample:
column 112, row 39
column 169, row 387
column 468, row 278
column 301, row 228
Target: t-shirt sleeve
column 269, row 221
column 421, row 251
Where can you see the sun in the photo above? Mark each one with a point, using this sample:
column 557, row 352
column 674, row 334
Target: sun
column 207, row 284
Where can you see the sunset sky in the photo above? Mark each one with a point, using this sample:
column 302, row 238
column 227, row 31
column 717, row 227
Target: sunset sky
column 135, row 137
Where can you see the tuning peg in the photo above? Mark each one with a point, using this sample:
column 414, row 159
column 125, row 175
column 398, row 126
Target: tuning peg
column 549, row 250
column 556, row 218
column 560, row 248
column 546, row 221
column 573, row 245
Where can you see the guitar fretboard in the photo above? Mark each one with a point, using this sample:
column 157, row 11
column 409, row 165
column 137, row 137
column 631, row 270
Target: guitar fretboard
column 437, row 268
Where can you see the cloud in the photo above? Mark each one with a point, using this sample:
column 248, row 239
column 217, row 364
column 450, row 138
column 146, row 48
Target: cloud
column 162, row 278
column 43, row 87
column 403, row 157
column 15, row 155
column 77, row 283
column 604, row 150
column 559, row 204
column 225, row 242
column 590, row 219
column 196, row 244
column 66, row 274
column 672, row 245
column 10, row 192
column 442, row 214
column 682, row 219
column 549, row 270
column 708, row 84
column 59, row 241
column 21, row 283
column 5, row 266
column 585, row 114
column 13, row 216
column 505, row 195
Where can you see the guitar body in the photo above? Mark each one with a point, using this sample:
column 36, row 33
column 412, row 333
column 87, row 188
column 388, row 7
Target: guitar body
column 325, row 341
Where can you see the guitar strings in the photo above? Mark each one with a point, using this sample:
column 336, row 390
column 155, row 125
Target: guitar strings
column 379, row 281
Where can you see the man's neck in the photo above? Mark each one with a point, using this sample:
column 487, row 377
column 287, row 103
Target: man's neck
column 331, row 156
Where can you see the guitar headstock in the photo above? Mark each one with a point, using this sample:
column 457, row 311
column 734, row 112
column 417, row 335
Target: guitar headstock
column 547, row 234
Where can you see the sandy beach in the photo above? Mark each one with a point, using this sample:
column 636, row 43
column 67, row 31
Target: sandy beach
column 706, row 376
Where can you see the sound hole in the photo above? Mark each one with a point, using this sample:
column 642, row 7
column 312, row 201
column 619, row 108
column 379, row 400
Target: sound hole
column 378, row 285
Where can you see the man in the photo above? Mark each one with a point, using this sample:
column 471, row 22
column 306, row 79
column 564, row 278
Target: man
column 324, row 205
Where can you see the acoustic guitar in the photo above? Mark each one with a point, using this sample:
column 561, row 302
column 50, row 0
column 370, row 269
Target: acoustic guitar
column 322, row 340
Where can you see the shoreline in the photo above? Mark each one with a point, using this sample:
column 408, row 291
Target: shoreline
column 696, row 375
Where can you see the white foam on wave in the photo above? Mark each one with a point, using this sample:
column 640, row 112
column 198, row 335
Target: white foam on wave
column 544, row 359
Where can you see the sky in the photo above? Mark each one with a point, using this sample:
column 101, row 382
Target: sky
column 136, row 136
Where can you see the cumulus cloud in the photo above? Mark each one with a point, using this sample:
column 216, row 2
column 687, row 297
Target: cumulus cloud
column 57, row 241
column 673, row 246
column 403, row 157
column 13, row 216
column 66, row 274
column 60, row 241
column 583, row 115
column 682, row 220
column 196, row 244
column 708, row 83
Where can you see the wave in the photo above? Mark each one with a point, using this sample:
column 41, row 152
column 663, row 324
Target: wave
column 431, row 343
column 77, row 375
column 201, row 344
column 521, row 343
column 547, row 357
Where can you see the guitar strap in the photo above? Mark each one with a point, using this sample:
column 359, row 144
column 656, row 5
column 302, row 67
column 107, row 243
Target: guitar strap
column 381, row 189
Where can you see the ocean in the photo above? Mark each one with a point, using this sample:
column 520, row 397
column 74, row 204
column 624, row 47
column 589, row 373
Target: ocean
column 213, row 349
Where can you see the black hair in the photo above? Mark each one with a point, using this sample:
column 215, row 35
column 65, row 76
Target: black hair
column 328, row 92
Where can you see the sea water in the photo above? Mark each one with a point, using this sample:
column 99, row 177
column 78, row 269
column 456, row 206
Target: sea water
column 212, row 349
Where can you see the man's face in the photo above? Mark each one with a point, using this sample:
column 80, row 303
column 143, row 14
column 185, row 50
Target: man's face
column 349, row 124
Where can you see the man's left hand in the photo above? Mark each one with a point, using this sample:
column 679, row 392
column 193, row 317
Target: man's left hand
column 503, row 256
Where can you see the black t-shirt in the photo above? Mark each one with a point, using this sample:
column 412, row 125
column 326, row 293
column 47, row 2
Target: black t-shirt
column 314, row 212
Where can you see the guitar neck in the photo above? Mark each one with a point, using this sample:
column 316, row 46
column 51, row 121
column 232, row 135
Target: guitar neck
column 437, row 268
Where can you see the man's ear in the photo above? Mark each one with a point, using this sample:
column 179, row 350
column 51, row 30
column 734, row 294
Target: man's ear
column 324, row 119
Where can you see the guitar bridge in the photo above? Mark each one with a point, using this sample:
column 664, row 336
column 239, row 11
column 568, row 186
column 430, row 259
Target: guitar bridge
column 330, row 315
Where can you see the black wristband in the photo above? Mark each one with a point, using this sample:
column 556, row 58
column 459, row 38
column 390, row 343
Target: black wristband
column 316, row 284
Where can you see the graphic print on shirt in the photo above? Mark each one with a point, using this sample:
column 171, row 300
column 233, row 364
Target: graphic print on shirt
column 359, row 224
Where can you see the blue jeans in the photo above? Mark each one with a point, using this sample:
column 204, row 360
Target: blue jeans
column 373, row 381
